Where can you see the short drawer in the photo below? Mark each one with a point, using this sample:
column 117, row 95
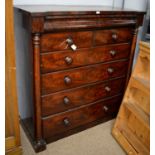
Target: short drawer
column 65, row 100
column 62, row 41
column 53, row 82
column 60, row 123
column 55, row 61
column 111, row 36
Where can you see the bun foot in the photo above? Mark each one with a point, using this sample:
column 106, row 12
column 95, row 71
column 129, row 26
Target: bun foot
column 40, row 145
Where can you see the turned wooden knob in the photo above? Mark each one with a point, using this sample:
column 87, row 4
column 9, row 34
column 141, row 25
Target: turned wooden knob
column 69, row 41
column 110, row 70
column 66, row 100
column 105, row 108
column 66, row 122
column 67, row 80
column 108, row 89
column 114, row 36
column 112, row 53
column 68, row 60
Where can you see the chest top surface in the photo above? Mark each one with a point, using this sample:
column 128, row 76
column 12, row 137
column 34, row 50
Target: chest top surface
column 51, row 18
column 76, row 9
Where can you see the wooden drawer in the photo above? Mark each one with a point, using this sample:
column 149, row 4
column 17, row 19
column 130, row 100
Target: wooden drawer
column 68, row 59
column 112, row 36
column 59, row 123
column 53, row 82
column 66, row 100
column 58, row 41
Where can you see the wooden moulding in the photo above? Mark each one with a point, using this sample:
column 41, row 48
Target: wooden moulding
column 57, row 25
column 52, row 21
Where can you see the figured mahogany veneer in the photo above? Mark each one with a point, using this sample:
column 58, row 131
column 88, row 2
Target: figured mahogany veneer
column 66, row 121
column 65, row 100
column 80, row 60
column 55, row 61
column 57, row 41
column 80, row 76
column 111, row 36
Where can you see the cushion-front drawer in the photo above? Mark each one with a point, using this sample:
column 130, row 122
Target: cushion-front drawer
column 65, row 100
column 67, row 40
column 111, row 36
column 56, row 81
column 60, row 123
column 68, row 59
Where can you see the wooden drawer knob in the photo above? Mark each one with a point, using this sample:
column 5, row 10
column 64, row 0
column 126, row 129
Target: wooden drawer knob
column 110, row 70
column 67, row 80
column 66, row 100
column 105, row 108
column 108, row 89
column 66, row 122
column 114, row 36
column 68, row 60
column 69, row 41
column 112, row 53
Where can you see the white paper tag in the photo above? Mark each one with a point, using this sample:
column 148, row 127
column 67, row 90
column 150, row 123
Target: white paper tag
column 97, row 12
column 74, row 47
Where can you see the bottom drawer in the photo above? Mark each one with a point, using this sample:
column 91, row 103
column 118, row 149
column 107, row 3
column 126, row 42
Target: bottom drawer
column 56, row 124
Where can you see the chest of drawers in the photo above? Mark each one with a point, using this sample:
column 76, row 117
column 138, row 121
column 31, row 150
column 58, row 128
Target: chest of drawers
column 79, row 60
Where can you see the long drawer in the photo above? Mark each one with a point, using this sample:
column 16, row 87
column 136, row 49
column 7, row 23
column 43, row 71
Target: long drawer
column 55, row 61
column 65, row 100
column 53, row 82
column 57, row 124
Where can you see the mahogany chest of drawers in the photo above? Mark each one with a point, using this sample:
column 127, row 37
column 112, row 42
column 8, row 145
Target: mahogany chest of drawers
column 80, row 61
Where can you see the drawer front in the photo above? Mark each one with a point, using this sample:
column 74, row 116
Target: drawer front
column 112, row 36
column 61, row 41
column 62, row 101
column 69, row 120
column 53, row 82
column 68, row 59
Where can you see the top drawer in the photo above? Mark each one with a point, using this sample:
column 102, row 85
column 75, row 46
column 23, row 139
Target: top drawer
column 84, row 39
column 112, row 36
column 61, row 41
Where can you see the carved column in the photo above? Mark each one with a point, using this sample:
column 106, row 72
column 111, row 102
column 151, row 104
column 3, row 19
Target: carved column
column 133, row 46
column 40, row 144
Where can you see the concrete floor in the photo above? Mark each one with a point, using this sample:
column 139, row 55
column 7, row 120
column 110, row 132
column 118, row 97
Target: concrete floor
column 94, row 141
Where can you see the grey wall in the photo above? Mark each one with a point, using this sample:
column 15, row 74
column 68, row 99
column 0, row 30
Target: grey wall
column 136, row 4
column 24, row 69
column 66, row 2
column 141, row 5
